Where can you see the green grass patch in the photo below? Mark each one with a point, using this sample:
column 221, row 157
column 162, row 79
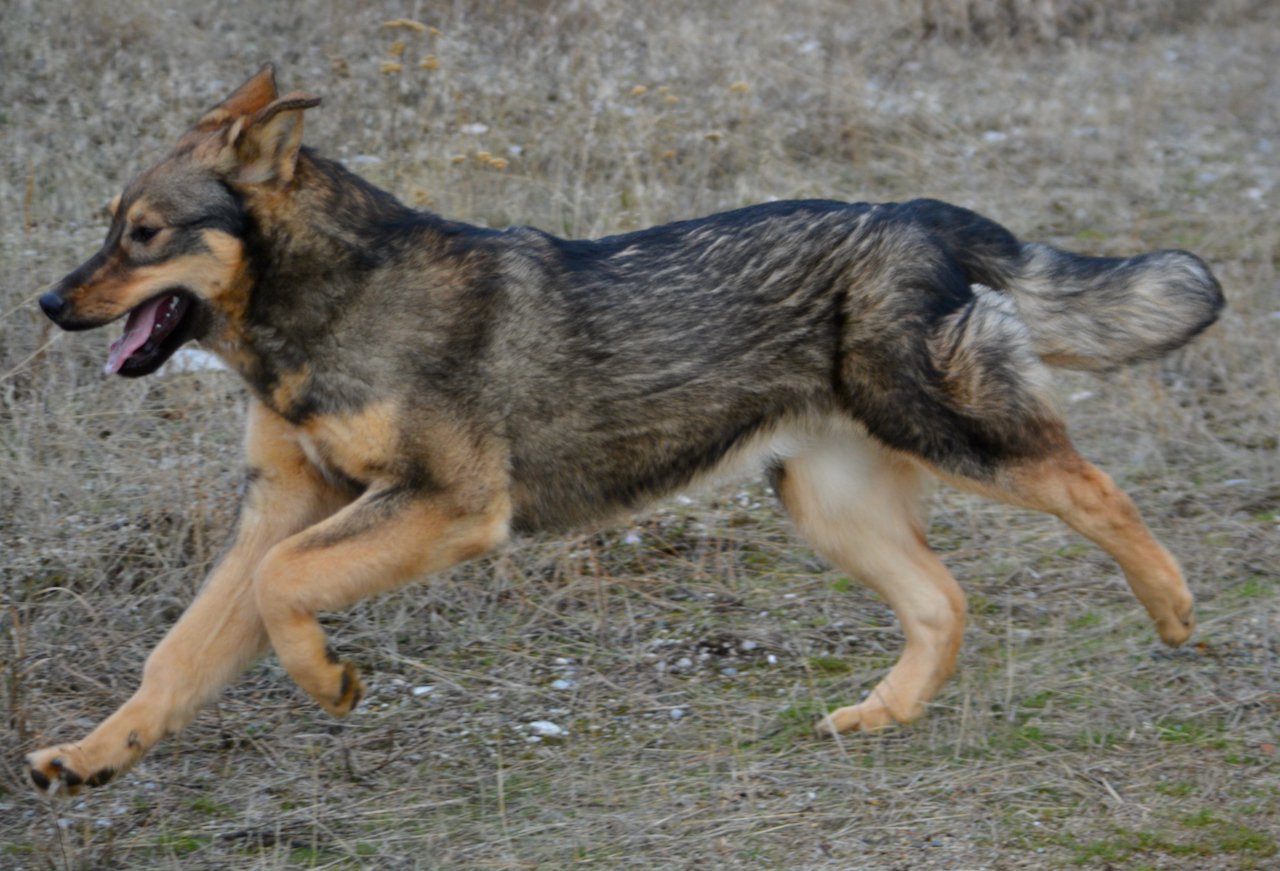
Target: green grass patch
column 205, row 805
column 1215, row 837
column 1193, row 732
column 842, row 585
column 829, row 664
column 1084, row 621
column 182, row 845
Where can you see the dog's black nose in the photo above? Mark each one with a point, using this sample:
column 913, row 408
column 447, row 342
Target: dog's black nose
column 52, row 305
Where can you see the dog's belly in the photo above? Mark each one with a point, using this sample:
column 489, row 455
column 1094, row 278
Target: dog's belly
column 571, row 496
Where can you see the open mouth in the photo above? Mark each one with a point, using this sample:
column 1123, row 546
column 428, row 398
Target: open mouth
column 153, row 331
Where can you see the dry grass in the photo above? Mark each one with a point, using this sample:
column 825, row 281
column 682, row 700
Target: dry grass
column 689, row 664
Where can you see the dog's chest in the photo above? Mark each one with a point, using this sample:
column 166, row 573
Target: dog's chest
column 356, row 447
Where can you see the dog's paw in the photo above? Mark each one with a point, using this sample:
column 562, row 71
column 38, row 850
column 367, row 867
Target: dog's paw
column 1177, row 627
column 65, row 768
column 865, row 717
column 350, row 689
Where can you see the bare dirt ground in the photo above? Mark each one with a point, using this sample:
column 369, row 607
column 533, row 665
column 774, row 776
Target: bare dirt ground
column 684, row 653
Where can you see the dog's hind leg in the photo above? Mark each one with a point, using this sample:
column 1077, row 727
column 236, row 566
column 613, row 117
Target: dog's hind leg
column 1065, row 484
column 388, row 537
column 859, row 506
column 219, row 634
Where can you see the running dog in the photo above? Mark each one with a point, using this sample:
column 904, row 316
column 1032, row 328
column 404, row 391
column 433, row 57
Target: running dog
column 421, row 389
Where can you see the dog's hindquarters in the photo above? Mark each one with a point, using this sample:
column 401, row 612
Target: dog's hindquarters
column 950, row 377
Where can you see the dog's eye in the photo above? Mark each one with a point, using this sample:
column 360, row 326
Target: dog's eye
column 142, row 235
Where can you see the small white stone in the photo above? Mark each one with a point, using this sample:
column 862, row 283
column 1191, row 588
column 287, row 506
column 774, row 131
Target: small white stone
column 546, row 729
column 561, row 684
column 423, row 690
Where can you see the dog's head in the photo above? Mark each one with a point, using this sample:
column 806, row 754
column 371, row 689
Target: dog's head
column 174, row 260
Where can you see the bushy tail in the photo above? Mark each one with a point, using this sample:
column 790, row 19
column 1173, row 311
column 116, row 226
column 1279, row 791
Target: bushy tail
column 1095, row 312
column 1084, row 312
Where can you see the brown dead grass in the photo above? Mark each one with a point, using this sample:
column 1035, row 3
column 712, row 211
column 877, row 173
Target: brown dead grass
column 692, row 662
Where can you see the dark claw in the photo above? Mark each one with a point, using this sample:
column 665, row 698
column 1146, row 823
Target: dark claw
column 349, row 688
column 100, row 778
column 38, row 778
column 69, row 777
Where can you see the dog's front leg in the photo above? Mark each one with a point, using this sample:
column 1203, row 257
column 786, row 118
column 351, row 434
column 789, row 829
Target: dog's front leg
column 392, row 535
column 220, row 633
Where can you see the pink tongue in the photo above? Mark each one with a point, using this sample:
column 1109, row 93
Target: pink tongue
column 137, row 329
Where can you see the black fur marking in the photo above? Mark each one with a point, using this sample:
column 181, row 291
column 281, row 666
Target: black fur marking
column 986, row 252
column 345, row 687
column 69, row 777
column 101, row 777
column 39, row 779
column 251, row 477
column 776, row 474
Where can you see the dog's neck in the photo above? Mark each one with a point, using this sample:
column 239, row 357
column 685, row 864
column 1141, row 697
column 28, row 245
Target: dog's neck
column 323, row 239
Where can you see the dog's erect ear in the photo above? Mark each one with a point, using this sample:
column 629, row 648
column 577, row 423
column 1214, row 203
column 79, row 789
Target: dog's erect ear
column 253, row 96
column 263, row 147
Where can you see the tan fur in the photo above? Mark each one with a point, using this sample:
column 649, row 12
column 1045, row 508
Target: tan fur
column 329, row 567
column 879, row 540
column 221, row 631
column 116, row 288
column 362, row 445
column 1085, row 498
